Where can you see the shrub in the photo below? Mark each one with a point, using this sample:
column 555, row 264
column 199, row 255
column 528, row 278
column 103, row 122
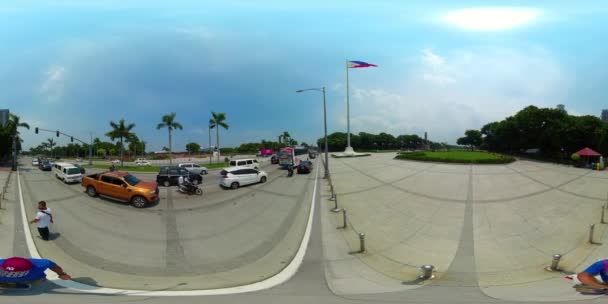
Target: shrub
column 575, row 157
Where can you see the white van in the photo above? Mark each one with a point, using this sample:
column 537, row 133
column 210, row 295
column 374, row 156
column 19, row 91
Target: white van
column 68, row 173
column 246, row 163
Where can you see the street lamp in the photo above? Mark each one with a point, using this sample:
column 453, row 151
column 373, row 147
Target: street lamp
column 325, row 127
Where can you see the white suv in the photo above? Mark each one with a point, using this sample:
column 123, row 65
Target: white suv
column 194, row 168
column 240, row 176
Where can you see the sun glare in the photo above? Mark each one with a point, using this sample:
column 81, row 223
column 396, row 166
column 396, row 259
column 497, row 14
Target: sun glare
column 490, row 19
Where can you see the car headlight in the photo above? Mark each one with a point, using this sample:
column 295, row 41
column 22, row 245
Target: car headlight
column 152, row 192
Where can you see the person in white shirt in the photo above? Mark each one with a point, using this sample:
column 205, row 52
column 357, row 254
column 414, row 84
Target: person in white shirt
column 43, row 219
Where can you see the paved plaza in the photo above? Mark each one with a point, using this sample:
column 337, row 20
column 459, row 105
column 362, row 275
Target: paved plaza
column 492, row 226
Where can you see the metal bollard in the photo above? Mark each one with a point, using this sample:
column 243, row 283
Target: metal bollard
column 591, row 229
column 336, row 209
column 603, row 211
column 555, row 262
column 333, row 194
column 427, row 272
column 343, row 220
column 361, row 242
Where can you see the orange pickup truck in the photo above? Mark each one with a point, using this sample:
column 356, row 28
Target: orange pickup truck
column 121, row 186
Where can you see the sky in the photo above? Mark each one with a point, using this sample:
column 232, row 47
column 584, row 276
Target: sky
column 443, row 66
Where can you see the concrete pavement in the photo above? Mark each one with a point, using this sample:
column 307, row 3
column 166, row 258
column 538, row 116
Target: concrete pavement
column 489, row 227
column 464, row 232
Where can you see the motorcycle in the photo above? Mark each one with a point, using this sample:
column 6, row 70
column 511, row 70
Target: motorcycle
column 190, row 189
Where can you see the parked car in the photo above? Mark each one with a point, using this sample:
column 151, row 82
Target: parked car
column 305, row 166
column 116, row 161
column 245, row 163
column 274, row 159
column 312, row 155
column 121, row 186
column 45, row 165
column 35, row 162
column 140, row 162
column 238, row 176
column 194, row 168
column 169, row 175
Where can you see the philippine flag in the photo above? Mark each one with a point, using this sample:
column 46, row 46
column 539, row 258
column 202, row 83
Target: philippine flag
column 359, row 64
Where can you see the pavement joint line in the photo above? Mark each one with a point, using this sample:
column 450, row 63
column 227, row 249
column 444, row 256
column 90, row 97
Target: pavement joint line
column 442, row 199
column 558, row 187
column 465, row 254
column 283, row 276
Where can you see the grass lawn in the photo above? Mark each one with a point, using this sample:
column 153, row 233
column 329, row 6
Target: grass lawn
column 472, row 157
column 151, row 168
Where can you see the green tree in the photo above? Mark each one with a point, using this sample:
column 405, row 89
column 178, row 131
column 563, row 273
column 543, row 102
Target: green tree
column 121, row 131
column 169, row 122
column 218, row 120
column 193, row 147
column 472, row 138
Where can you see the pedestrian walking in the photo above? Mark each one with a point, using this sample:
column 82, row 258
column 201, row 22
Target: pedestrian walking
column 43, row 219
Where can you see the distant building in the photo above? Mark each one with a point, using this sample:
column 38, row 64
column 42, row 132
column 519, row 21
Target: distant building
column 604, row 115
column 561, row 107
column 3, row 116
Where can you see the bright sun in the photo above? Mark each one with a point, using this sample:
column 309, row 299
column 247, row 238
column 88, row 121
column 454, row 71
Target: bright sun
column 490, row 19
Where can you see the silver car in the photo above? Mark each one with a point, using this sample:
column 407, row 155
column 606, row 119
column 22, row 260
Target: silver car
column 235, row 177
column 194, row 168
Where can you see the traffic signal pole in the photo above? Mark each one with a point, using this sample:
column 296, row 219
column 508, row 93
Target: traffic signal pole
column 72, row 138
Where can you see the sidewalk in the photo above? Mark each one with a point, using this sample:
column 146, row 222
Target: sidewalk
column 9, row 215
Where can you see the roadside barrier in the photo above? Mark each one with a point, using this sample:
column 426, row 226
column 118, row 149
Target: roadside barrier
column 427, row 272
column 335, row 209
column 4, row 188
column 361, row 242
column 591, row 230
column 555, row 262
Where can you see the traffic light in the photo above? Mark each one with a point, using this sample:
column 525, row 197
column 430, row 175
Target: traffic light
column 72, row 138
column 36, row 130
column 57, row 133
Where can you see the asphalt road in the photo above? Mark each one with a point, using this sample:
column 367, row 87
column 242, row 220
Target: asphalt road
column 221, row 239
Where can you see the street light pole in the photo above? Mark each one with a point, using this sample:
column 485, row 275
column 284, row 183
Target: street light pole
column 325, row 127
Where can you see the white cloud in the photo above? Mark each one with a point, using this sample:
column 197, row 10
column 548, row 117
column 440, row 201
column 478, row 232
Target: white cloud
column 447, row 94
column 53, row 84
column 491, row 18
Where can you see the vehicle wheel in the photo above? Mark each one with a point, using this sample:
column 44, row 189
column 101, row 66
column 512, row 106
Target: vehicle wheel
column 195, row 181
column 199, row 191
column 91, row 191
column 234, row 185
column 138, row 202
column 204, row 172
column 263, row 179
column 166, row 183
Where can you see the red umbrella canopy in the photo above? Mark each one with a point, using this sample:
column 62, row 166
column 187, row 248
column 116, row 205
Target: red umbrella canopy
column 588, row 152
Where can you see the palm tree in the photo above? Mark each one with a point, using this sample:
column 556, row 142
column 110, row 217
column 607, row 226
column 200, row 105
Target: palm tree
column 120, row 130
column 50, row 143
column 217, row 121
column 286, row 137
column 170, row 123
column 14, row 123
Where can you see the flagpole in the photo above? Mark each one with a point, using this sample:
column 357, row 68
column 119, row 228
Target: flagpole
column 347, row 111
